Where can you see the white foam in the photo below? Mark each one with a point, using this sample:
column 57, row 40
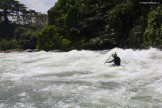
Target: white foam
column 82, row 75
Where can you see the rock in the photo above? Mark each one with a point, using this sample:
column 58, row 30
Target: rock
column 7, row 51
column 29, row 50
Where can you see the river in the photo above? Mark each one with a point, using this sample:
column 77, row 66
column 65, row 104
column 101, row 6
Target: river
column 80, row 79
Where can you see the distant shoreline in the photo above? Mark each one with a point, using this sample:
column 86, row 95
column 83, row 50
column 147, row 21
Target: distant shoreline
column 19, row 50
column 36, row 50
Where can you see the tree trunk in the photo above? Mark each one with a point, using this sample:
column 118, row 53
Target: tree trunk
column 5, row 17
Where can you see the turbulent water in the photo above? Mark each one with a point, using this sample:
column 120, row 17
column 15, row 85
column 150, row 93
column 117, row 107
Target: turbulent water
column 80, row 79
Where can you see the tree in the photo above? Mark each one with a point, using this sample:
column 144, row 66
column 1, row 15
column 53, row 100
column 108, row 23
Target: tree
column 39, row 21
column 152, row 35
column 14, row 11
column 10, row 9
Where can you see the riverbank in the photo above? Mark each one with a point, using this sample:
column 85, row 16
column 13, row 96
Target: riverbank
column 19, row 50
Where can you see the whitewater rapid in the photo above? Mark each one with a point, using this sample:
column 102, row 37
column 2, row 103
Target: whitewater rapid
column 80, row 79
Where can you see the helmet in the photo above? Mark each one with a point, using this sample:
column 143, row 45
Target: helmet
column 114, row 55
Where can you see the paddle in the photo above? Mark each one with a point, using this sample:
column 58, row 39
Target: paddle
column 107, row 59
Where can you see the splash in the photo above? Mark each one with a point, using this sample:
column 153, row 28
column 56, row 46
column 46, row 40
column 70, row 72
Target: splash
column 80, row 79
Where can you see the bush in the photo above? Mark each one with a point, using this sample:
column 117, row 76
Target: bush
column 50, row 39
column 8, row 45
column 152, row 35
column 66, row 44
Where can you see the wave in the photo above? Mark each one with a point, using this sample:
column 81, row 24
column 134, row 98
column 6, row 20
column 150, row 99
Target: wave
column 81, row 79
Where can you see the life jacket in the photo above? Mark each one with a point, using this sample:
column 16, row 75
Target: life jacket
column 117, row 61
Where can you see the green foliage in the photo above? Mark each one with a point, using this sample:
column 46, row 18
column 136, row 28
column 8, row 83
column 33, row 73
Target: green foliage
column 40, row 20
column 106, row 39
column 71, row 22
column 8, row 45
column 19, row 24
column 49, row 39
column 80, row 19
column 25, row 37
column 82, row 24
column 65, row 44
column 7, row 31
column 152, row 35
column 105, row 23
column 10, row 8
column 136, row 37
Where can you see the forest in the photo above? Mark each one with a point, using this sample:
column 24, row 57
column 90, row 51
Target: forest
column 19, row 25
column 82, row 24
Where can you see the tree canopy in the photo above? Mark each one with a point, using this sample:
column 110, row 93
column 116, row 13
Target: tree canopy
column 103, row 24
column 18, row 25
column 82, row 24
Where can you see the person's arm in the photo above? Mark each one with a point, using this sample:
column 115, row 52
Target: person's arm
column 109, row 61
